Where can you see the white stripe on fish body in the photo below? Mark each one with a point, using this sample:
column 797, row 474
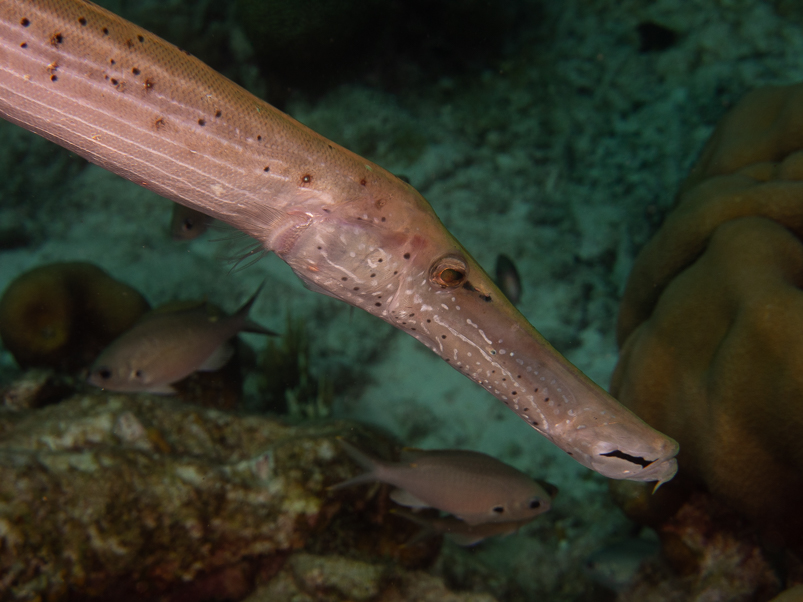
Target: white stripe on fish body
column 472, row 486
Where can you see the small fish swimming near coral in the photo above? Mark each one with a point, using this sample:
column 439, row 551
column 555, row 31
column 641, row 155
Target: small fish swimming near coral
column 165, row 346
column 456, row 530
column 472, row 486
column 508, row 279
column 188, row 224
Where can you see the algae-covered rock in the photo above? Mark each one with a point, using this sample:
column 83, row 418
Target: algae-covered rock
column 312, row 578
column 148, row 496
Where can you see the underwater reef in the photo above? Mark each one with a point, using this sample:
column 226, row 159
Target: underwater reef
column 564, row 151
column 151, row 497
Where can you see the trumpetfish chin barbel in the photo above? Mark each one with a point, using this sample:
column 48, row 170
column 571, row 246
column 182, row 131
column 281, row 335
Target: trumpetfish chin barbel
column 140, row 107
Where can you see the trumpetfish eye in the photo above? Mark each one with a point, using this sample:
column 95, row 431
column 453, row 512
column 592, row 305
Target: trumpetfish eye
column 449, row 271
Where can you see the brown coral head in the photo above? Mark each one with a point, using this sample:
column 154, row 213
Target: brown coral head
column 61, row 315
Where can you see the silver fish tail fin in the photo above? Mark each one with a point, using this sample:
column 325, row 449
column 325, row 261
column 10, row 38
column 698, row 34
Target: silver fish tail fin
column 367, row 462
column 366, row 477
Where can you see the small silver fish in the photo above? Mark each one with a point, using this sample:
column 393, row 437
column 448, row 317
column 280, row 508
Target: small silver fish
column 472, row 486
column 615, row 566
column 165, row 346
column 508, row 279
column 188, row 224
column 457, row 530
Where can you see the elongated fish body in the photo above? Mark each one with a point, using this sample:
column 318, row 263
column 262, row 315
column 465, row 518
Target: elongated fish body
column 140, row 107
column 474, row 487
column 458, row 531
column 165, row 346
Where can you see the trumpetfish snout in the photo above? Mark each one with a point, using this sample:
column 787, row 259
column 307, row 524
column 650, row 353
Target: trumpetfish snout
column 390, row 255
column 127, row 100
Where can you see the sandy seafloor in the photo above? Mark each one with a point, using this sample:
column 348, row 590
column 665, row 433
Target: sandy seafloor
column 564, row 154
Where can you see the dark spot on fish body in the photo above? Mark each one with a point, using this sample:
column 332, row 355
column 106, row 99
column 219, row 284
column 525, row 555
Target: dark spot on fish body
column 141, row 38
column 25, row 22
column 407, row 256
column 53, row 78
column 534, row 504
column 148, row 85
column 114, row 82
column 306, row 179
column 56, row 39
column 259, row 138
column 105, row 31
column 82, row 20
column 498, row 509
column 266, row 170
column 135, row 71
column 202, row 122
column 159, row 123
column 112, row 61
column 24, row 45
column 218, row 113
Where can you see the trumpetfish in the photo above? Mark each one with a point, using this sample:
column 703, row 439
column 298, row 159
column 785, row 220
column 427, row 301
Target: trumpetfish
column 140, row 107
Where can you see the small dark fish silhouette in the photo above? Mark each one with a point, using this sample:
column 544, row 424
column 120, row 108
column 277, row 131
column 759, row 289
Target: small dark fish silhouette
column 188, row 224
column 507, row 278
